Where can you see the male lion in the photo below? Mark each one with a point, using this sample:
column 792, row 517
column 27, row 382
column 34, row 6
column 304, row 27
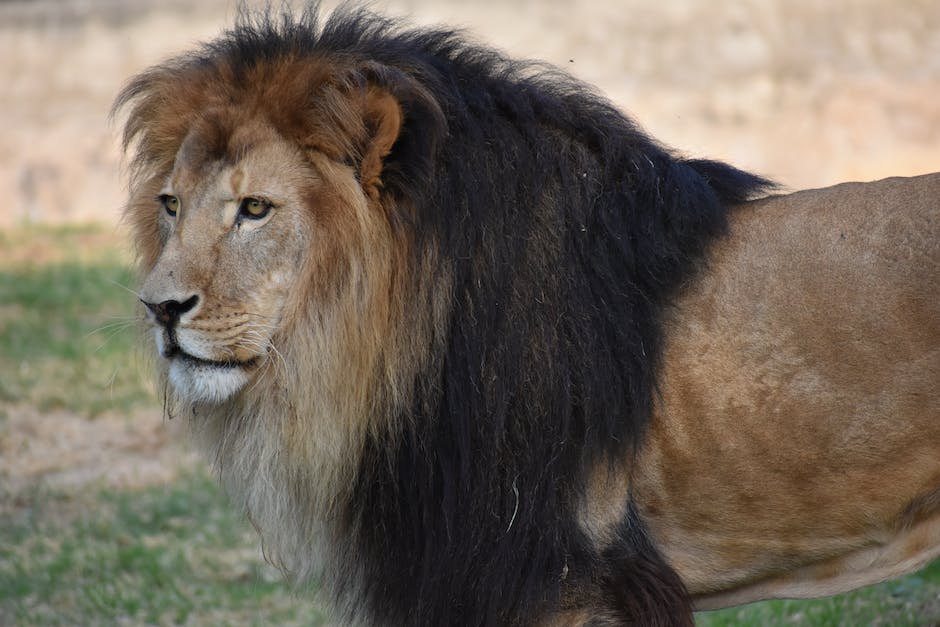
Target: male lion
column 469, row 348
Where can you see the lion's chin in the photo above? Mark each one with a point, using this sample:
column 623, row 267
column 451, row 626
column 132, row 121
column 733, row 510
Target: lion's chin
column 206, row 383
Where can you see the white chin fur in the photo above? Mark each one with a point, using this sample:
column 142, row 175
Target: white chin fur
column 204, row 383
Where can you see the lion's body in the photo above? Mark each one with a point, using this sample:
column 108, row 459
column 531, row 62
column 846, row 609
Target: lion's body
column 434, row 315
column 796, row 447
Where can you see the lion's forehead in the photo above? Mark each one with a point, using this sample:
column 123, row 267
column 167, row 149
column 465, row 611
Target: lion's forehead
column 237, row 158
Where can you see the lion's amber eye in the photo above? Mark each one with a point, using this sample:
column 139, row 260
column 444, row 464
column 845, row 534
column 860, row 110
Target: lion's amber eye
column 171, row 204
column 253, row 208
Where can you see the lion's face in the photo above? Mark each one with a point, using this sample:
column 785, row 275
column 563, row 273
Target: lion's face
column 265, row 228
column 233, row 235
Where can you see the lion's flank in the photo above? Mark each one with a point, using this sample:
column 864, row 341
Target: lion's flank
column 542, row 234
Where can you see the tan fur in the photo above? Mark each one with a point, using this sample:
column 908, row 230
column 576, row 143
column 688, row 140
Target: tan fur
column 795, row 449
column 604, row 505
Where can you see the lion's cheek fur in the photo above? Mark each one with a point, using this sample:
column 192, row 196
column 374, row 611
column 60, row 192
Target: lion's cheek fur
column 288, row 447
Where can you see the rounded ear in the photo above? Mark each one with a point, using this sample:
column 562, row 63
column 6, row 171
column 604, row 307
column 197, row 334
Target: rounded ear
column 404, row 126
column 383, row 118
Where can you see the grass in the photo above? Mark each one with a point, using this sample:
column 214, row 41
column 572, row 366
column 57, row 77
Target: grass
column 176, row 554
column 911, row 601
column 179, row 553
column 67, row 332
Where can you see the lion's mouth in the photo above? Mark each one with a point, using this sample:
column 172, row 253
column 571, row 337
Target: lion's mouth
column 202, row 380
column 173, row 351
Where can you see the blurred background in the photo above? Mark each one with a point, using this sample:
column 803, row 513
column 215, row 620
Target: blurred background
column 105, row 516
column 809, row 93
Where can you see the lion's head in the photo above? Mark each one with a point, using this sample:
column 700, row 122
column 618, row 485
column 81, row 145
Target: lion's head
column 263, row 218
column 409, row 289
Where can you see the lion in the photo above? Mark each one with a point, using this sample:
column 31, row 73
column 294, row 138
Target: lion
column 469, row 348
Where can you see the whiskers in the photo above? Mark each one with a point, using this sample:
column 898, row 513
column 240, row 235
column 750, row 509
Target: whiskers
column 263, row 344
column 125, row 288
column 118, row 323
column 167, row 410
column 112, row 329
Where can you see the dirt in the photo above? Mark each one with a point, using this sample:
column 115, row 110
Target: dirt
column 808, row 93
column 62, row 450
column 44, row 247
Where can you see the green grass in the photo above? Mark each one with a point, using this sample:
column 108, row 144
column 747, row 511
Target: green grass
column 912, row 601
column 164, row 555
column 179, row 553
column 169, row 554
column 67, row 332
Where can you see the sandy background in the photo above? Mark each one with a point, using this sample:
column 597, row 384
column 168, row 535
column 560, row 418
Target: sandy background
column 807, row 92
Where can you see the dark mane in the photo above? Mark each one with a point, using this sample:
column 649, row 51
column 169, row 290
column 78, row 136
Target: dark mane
column 567, row 231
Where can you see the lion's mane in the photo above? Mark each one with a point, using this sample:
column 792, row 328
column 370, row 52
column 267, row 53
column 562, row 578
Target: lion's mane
column 543, row 235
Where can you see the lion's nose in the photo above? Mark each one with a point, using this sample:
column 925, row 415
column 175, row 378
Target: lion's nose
column 168, row 312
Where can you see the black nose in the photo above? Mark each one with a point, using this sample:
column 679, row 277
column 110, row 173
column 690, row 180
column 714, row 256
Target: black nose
column 169, row 311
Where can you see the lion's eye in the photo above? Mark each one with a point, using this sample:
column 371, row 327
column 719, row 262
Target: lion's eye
column 171, row 204
column 254, row 208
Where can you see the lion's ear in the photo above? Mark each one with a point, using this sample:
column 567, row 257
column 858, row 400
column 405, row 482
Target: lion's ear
column 383, row 118
column 404, row 125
